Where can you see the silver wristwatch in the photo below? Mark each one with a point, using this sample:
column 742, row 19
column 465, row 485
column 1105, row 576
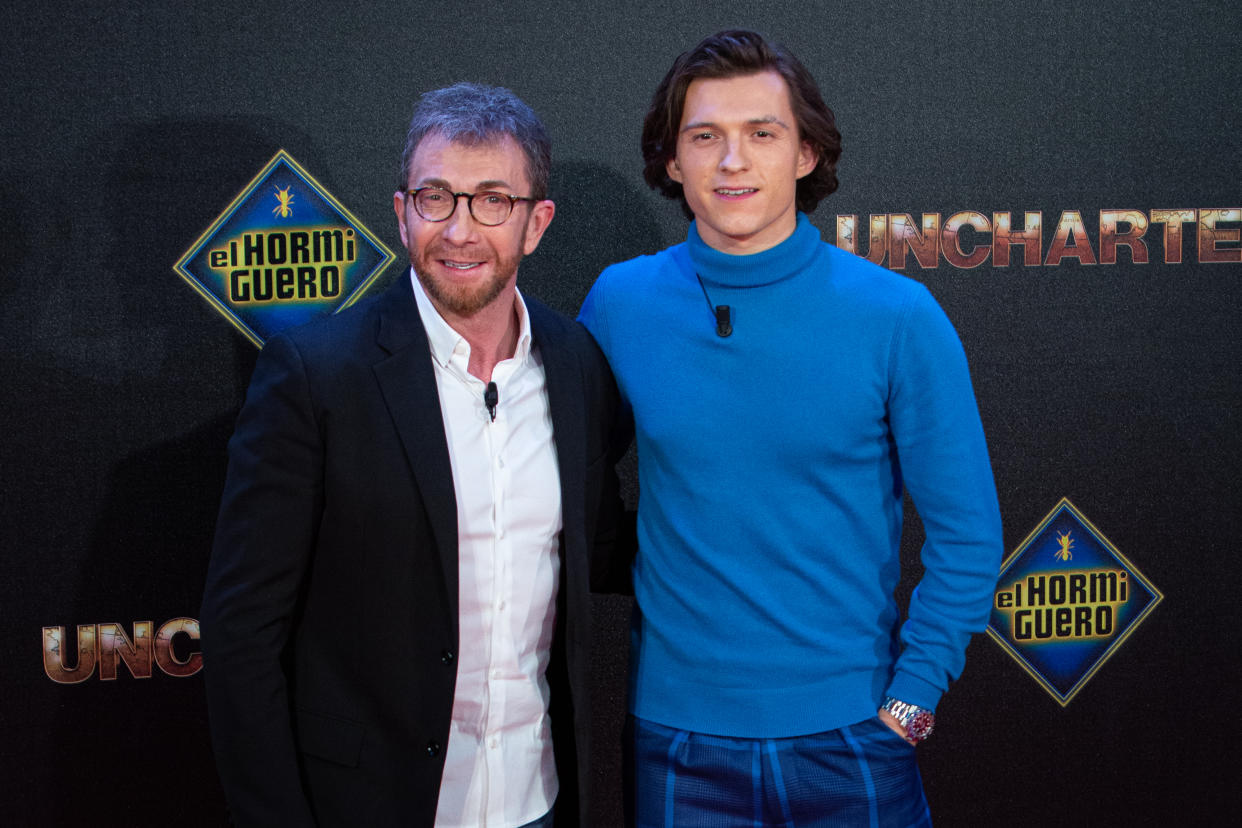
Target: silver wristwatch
column 918, row 721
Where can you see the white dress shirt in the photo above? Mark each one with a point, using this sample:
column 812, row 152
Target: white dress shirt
column 498, row 768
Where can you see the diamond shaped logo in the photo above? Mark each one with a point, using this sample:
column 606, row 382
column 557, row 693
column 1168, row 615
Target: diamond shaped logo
column 283, row 252
column 1066, row 601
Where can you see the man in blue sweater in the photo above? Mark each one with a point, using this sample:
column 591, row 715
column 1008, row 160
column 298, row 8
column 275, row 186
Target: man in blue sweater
column 785, row 394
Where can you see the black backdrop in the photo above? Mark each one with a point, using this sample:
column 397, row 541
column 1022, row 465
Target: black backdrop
column 127, row 129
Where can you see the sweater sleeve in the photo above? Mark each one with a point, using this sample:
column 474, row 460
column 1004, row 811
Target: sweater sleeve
column 944, row 465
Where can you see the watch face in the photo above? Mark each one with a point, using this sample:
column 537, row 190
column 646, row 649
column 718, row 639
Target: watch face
column 920, row 725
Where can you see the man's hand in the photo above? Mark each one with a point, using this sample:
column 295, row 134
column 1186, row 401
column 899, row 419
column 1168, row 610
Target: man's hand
column 895, row 725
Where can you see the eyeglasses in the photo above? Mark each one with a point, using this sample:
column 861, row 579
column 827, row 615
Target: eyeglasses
column 488, row 207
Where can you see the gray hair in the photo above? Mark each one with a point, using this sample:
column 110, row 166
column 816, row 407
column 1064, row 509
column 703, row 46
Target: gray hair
column 473, row 114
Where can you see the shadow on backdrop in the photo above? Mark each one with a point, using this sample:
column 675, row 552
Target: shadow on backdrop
column 601, row 218
column 148, row 551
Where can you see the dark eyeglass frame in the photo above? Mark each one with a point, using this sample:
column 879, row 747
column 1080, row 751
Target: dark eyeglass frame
column 470, row 197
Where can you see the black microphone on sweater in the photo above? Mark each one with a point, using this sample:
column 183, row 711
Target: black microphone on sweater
column 490, row 398
column 724, row 320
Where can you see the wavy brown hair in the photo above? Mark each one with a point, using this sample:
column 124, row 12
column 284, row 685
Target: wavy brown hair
column 728, row 54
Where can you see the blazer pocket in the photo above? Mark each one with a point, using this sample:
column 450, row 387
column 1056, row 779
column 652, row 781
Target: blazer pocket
column 330, row 738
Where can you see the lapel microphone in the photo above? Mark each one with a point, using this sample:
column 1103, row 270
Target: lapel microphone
column 491, row 396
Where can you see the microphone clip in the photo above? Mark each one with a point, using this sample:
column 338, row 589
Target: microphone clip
column 491, row 396
column 724, row 319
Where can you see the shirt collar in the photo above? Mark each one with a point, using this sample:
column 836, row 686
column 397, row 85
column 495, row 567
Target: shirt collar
column 445, row 341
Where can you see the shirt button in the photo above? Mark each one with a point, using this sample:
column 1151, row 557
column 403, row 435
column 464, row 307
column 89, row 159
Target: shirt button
column 446, row 657
column 433, row 749
column 494, row 743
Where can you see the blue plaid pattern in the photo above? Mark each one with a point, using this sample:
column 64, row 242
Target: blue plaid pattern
column 859, row 775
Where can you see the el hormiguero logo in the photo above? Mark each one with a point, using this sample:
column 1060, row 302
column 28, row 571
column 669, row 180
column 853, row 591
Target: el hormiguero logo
column 1066, row 601
column 283, row 252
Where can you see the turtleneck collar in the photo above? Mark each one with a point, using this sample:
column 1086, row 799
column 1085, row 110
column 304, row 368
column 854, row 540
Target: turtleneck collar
column 791, row 256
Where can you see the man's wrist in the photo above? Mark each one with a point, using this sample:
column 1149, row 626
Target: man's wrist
column 916, row 721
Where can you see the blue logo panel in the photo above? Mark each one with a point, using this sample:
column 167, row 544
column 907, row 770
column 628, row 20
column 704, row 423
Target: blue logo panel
column 1066, row 600
column 283, row 252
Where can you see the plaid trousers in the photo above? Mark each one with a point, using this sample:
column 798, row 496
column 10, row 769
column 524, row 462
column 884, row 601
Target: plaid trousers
column 863, row 774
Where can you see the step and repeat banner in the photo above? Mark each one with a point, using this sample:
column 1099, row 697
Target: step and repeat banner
column 180, row 181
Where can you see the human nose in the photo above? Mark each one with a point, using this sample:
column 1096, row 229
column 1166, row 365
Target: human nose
column 460, row 226
column 735, row 157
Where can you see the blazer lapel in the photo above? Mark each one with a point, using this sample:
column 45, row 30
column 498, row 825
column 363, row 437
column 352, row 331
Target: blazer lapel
column 408, row 383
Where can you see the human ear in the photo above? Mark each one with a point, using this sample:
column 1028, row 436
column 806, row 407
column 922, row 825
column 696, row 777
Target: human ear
column 808, row 159
column 674, row 170
column 541, row 213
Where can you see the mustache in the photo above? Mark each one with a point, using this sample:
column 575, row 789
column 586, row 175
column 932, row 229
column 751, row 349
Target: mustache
column 470, row 253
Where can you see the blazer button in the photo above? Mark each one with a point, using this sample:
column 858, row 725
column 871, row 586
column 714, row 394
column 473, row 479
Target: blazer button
column 433, row 749
column 446, row 657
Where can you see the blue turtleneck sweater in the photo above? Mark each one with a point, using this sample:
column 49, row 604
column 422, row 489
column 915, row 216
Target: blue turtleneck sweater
column 771, row 469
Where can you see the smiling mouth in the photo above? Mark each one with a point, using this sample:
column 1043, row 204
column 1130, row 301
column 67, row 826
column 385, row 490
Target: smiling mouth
column 459, row 265
column 736, row 191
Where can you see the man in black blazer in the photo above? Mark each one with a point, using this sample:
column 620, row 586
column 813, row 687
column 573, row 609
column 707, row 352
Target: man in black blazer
column 331, row 618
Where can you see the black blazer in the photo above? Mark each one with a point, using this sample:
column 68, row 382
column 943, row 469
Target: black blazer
column 329, row 621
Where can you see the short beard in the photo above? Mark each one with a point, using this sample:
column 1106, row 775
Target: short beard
column 466, row 300
column 462, row 300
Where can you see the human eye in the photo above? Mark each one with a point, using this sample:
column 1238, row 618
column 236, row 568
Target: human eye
column 431, row 195
column 491, row 199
